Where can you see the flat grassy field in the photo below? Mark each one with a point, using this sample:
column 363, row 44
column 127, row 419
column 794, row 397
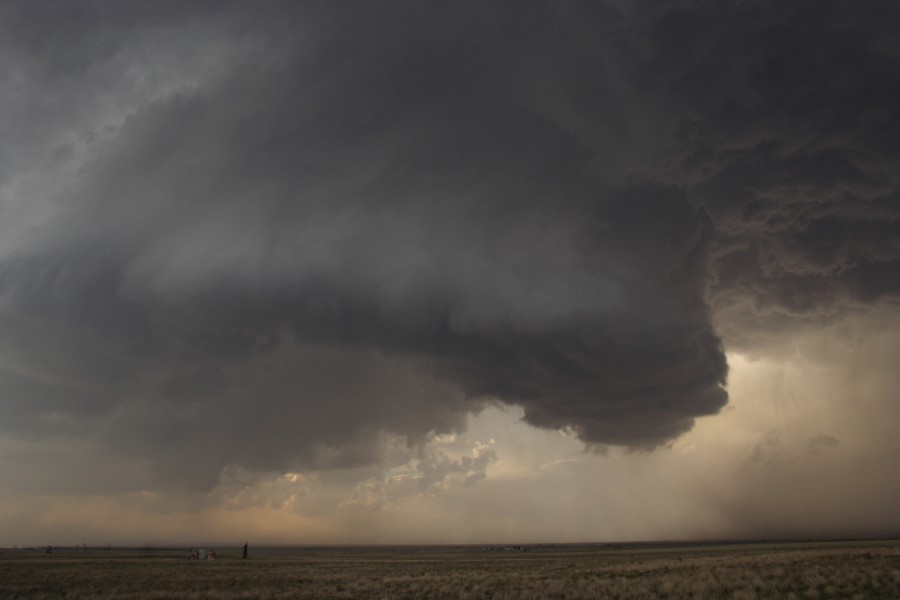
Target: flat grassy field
column 741, row 571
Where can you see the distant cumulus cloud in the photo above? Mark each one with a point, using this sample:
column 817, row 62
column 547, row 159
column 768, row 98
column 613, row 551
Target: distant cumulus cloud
column 822, row 442
column 271, row 236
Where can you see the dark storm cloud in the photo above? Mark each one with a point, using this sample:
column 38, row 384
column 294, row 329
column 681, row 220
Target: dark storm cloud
column 264, row 237
column 792, row 145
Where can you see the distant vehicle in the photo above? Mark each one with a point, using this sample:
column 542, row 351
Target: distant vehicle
column 201, row 554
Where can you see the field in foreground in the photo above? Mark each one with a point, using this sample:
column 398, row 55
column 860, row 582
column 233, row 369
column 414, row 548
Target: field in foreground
column 811, row 570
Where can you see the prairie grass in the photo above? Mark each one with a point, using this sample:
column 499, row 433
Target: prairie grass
column 747, row 572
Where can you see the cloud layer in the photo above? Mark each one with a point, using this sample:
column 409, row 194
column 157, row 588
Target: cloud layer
column 272, row 238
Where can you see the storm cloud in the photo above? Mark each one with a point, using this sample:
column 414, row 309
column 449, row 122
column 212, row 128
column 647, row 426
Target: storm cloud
column 270, row 236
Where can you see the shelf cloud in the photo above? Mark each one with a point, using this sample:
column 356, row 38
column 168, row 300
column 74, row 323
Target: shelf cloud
column 272, row 236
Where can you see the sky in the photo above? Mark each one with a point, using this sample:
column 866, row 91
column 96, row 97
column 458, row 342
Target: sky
column 448, row 272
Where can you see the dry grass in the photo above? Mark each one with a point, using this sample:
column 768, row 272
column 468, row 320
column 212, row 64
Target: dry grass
column 738, row 572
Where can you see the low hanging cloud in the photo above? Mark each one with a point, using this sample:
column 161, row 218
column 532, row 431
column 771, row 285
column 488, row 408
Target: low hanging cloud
column 268, row 239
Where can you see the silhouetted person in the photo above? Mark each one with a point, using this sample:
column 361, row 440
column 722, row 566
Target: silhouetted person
column 245, row 550
column 49, row 549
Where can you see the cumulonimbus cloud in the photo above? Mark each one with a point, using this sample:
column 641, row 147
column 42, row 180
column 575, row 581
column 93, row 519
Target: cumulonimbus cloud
column 351, row 223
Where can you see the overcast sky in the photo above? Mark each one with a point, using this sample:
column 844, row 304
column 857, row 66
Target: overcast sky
column 382, row 272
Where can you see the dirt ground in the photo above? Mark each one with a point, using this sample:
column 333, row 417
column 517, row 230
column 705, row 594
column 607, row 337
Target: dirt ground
column 740, row 571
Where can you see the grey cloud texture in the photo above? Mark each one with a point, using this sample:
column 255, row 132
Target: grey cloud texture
column 792, row 148
column 266, row 237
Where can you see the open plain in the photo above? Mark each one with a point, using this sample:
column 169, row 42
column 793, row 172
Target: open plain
column 741, row 571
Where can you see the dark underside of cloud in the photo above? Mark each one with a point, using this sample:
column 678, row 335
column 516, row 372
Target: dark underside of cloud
column 325, row 222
